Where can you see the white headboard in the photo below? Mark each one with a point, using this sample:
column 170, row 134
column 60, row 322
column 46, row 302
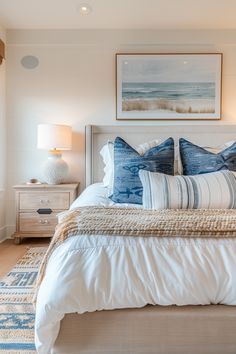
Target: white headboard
column 98, row 135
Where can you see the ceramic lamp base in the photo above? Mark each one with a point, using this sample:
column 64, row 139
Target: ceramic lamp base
column 55, row 169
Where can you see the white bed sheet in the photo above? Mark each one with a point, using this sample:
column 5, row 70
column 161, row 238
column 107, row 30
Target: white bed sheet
column 97, row 195
column 90, row 273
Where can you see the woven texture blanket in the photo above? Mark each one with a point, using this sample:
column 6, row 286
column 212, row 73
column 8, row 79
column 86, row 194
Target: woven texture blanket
column 191, row 223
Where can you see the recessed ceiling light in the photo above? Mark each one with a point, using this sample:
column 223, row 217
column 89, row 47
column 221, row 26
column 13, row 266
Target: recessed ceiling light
column 85, row 9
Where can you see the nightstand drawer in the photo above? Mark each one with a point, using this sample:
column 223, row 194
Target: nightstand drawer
column 33, row 222
column 52, row 200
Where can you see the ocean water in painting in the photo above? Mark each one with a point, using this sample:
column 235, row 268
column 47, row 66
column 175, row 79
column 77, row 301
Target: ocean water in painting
column 179, row 97
column 168, row 90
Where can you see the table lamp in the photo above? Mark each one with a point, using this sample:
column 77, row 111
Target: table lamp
column 54, row 137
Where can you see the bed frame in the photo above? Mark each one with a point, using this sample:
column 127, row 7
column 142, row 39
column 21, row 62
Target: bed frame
column 153, row 329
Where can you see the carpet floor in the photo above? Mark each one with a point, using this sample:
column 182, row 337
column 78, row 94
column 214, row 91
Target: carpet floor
column 16, row 309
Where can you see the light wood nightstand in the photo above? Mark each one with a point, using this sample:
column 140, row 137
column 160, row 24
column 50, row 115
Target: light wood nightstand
column 37, row 206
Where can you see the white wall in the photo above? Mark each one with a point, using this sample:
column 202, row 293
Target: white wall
column 2, row 146
column 75, row 84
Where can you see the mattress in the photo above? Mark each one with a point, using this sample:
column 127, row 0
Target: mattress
column 97, row 272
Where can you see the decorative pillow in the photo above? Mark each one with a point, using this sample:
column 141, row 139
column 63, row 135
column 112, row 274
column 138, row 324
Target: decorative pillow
column 213, row 149
column 107, row 153
column 216, row 190
column 197, row 160
column 128, row 162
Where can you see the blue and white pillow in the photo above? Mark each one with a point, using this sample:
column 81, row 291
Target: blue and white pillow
column 197, row 160
column 128, row 162
column 216, row 190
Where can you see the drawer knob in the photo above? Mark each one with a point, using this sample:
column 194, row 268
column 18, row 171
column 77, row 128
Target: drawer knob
column 44, row 201
column 44, row 222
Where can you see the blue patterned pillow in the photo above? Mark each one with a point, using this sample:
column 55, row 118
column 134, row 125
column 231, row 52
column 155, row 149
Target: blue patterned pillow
column 197, row 160
column 127, row 163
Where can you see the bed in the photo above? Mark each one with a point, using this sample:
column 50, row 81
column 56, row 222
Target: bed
column 130, row 322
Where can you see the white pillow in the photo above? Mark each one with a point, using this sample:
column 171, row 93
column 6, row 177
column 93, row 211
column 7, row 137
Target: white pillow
column 142, row 148
column 216, row 190
column 107, row 153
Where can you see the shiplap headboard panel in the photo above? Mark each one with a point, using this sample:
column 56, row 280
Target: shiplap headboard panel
column 98, row 135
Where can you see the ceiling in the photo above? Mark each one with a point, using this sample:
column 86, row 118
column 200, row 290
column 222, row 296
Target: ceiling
column 118, row 14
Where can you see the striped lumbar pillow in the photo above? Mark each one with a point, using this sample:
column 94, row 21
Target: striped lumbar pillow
column 215, row 190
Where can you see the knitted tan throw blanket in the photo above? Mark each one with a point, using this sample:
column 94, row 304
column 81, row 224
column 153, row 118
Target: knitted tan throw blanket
column 191, row 223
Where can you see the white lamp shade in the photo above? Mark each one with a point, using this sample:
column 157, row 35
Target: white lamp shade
column 54, row 136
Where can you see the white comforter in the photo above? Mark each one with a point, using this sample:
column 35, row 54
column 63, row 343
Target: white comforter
column 89, row 273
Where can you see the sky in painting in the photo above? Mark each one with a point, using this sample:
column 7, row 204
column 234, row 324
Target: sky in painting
column 170, row 68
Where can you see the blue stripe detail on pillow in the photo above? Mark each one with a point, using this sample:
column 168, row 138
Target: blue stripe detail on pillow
column 197, row 160
column 127, row 164
column 215, row 190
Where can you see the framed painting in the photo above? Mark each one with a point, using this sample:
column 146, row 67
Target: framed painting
column 168, row 86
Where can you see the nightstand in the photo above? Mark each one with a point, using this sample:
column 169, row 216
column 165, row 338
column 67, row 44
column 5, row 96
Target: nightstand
column 37, row 206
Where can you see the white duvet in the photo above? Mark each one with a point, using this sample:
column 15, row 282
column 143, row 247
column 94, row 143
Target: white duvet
column 89, row 273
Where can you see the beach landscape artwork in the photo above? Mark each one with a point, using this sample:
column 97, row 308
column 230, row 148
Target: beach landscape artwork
column 168, row 86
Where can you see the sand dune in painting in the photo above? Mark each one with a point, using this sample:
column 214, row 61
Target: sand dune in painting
column 165, row 105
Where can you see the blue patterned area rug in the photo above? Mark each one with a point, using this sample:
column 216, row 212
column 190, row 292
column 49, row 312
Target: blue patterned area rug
column 16, row 309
